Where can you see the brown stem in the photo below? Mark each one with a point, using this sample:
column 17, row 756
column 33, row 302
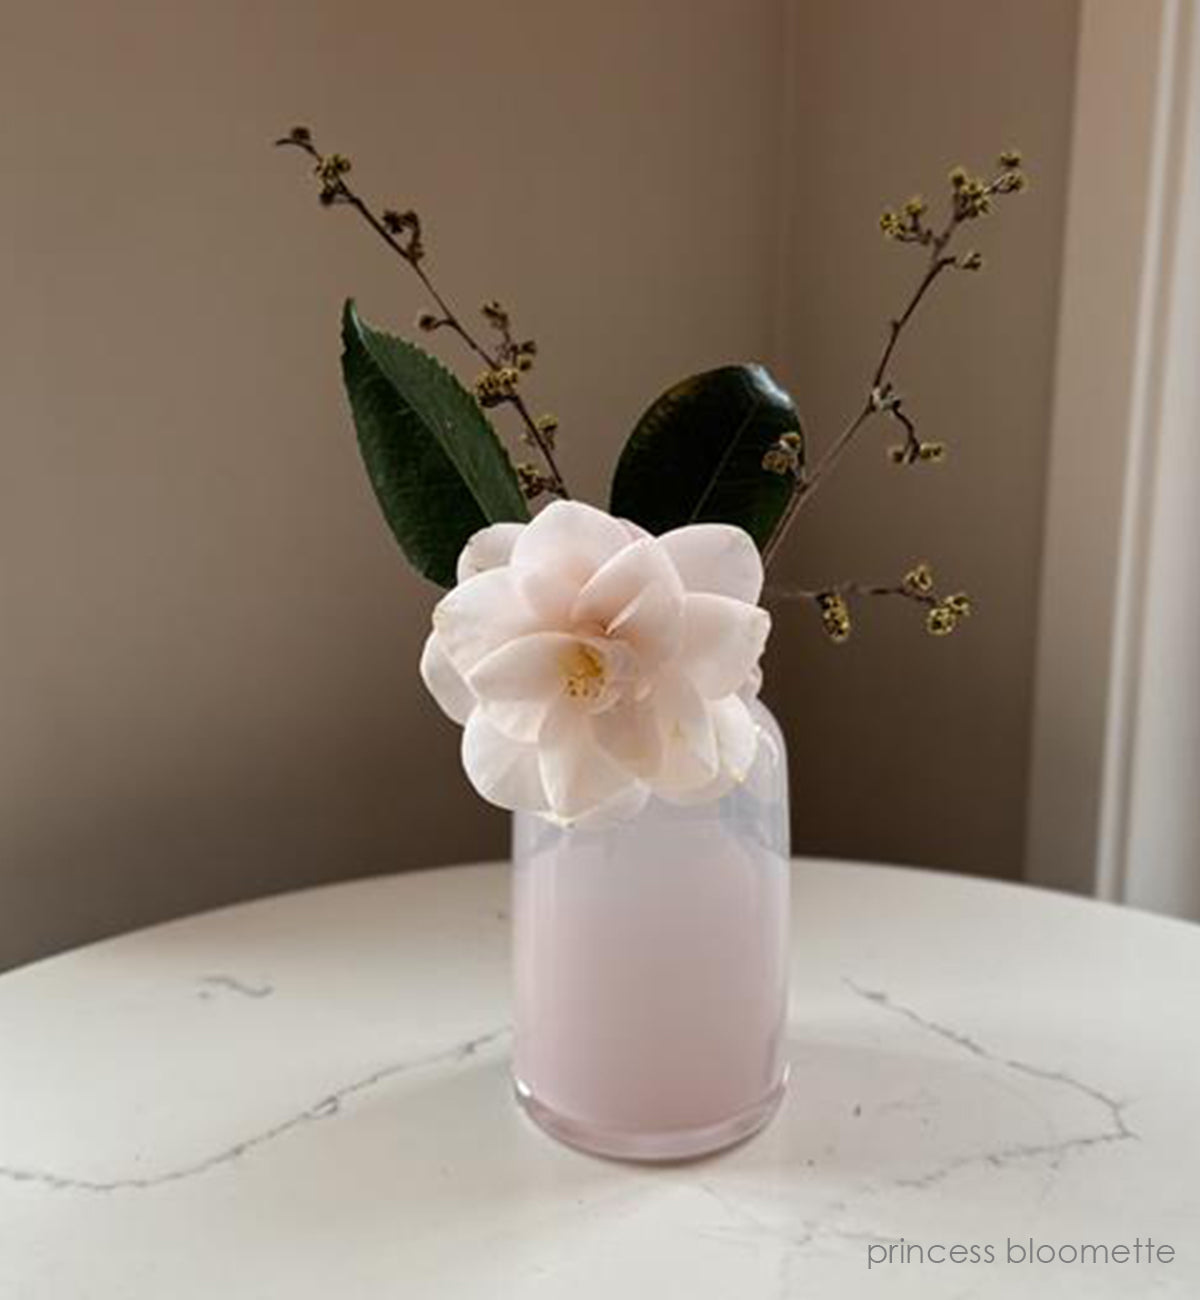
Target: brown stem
column 342, row 193
column 807, row 484
column 937, row 265
column 775, row 593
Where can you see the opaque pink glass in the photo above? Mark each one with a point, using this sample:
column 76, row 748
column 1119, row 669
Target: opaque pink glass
column 650, row 966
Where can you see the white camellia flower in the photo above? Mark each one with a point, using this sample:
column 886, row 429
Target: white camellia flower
column 592, row 664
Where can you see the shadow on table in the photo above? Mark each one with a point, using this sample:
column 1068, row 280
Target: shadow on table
column 854, row 1116
column 447, row 1156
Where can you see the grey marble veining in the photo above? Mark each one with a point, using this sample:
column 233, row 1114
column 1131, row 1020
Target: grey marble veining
column 309, row 1096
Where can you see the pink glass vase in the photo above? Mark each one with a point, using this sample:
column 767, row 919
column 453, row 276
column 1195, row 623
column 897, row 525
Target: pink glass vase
column 651, row 969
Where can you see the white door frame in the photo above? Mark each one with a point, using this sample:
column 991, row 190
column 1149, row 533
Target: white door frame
column 1122, row 344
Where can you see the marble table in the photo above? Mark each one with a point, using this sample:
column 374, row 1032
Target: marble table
column 307, row 1097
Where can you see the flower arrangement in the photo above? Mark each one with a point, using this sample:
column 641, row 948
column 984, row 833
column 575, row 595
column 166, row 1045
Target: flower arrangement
column 592, row 657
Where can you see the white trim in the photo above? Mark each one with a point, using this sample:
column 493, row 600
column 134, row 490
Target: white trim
column 1135, row 74
column 1129, row 611
column 1159, row 846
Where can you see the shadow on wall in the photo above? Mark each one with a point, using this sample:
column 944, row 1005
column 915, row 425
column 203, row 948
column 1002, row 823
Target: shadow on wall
column 905, row 748
column 322, row 808
column 208, row 685
column 208, row 688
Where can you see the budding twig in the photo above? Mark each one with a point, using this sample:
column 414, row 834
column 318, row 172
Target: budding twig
column 943, row 612
column 401, row 231
column 971, row 198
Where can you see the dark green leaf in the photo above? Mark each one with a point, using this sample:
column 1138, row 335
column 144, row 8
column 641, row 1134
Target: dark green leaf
column 436, row 465
column 696, row 455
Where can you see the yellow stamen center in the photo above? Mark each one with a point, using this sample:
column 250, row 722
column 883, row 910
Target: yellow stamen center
column 583, row 673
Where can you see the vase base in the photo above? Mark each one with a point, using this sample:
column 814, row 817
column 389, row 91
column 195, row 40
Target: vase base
column 670, row 1144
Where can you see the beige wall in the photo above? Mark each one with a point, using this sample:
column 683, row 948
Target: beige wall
column 907, row 748
column 207, row 666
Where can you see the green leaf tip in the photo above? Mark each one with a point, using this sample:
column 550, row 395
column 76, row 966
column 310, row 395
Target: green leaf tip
column 438, row 470
column 696, row 454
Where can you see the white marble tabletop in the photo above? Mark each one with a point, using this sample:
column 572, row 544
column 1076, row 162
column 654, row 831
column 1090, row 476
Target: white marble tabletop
column 307, row 1097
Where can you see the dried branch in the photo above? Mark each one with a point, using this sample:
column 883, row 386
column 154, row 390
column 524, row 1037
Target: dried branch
column 971, row 198
column 943, row 613
column 401, row 232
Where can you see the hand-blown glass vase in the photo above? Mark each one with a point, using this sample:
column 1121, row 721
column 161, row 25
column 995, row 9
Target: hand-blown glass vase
column 651, row 969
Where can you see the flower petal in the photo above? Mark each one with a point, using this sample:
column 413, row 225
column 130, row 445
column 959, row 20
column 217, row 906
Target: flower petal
column 570, row 538
column 723, row 640
column 549, row 593
column 620, row 808
column 765, row 774
column 479, row 615
column 651, row 625
column 689, row 742
column 578, row 776
column 519, row 681
column 624, row 577
column 737, row 736
column 630, row 734
column 489, row 548
column 502, row 770
column 638, row 597
column 720, row 785
column 445, row 683
column 717, row 558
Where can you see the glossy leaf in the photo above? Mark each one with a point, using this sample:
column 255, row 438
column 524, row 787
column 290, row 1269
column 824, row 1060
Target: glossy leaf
column 696, row 455
column 437, row 467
